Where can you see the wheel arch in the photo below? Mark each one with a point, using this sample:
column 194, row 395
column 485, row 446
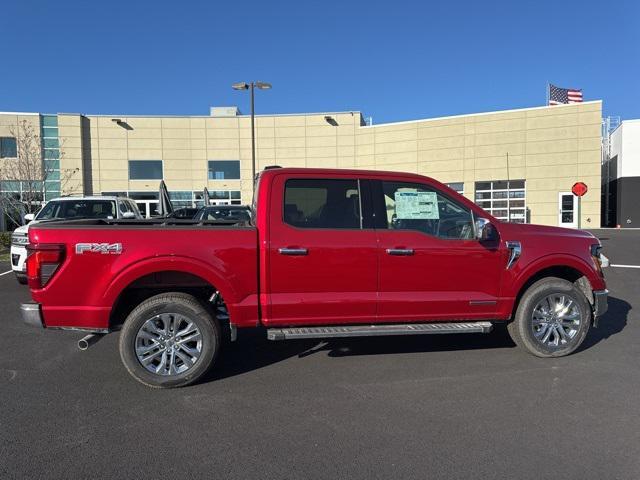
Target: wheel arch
column 162, row 274
column 566, row 267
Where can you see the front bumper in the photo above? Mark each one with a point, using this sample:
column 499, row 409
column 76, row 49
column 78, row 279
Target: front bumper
column 32, row 314
column 600, row 304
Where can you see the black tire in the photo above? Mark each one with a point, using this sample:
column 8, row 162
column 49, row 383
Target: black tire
column 523, row 328
column 186, row 307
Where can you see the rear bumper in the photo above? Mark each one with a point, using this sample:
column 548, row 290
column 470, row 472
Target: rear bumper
column 600, row 304
column 31, row 314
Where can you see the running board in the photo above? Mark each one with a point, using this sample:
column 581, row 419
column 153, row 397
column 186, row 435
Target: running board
column 377, row 330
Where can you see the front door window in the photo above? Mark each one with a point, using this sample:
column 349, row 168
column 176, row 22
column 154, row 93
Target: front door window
column 418, row 207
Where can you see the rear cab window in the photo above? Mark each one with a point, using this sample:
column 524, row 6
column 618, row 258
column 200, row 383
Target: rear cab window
column 322, row 203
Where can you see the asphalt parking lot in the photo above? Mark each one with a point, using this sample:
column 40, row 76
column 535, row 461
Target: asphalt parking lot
column 460, row 406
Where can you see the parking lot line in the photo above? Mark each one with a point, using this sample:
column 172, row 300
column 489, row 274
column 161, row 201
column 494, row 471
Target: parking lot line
column 1, row 274
column 625, row 266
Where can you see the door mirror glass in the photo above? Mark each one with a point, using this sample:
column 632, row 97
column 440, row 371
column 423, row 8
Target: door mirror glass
column 485, row 231
column 29, row 217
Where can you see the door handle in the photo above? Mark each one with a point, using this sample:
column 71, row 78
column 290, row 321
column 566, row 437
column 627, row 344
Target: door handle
column 400, row 251
column 292, row 251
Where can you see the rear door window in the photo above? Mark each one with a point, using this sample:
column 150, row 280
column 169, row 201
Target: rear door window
column 322, row 203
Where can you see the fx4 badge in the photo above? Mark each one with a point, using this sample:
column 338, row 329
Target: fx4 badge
column 104, row 248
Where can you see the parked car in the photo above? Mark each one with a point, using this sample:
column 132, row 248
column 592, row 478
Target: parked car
column 67, row 208
column 186, row 212
column 224, row 212
column 329, row 253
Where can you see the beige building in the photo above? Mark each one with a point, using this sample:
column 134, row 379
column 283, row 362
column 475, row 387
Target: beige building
column 541, row 151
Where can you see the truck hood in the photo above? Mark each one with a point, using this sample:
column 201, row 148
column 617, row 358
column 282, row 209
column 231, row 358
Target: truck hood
column 22, row 230
column 513, row 230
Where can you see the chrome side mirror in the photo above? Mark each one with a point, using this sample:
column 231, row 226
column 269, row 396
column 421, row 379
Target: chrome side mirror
column 485, row 231
column 29, row 217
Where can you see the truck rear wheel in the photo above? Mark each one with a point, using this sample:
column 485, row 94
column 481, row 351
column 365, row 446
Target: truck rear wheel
column 169, row 340
column 552, row 319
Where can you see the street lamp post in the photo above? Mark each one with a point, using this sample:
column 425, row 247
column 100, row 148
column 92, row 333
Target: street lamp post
column 251, row 87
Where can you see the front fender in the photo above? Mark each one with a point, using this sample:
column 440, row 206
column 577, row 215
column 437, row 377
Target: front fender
column 522, row 275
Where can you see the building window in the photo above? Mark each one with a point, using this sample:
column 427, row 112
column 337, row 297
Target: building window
column 322, row 203
column 457, row 186
column 181, row 199
column 504, row 199
column 225, row 197
column 224, row 169
column 51, row 153
column 23, row 191
column 8, row 147
column 145, row 169
column 50, row 121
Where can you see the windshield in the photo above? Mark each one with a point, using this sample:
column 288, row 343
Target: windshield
column 78, row 209
column 217, row 213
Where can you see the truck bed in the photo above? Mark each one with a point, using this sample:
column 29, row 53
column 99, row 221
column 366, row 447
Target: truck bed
column 106, row 259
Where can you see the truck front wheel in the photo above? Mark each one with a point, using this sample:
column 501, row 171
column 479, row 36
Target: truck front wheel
column 169, row 340
column 552, row 318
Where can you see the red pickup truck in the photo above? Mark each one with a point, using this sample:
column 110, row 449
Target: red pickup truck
column 327, row 253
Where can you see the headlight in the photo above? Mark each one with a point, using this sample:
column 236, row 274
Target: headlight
column 19, row 240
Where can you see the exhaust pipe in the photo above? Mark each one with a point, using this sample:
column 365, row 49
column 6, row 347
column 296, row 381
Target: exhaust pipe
column 86, row 342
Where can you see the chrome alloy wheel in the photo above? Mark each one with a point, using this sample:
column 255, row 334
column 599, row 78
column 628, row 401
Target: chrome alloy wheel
column 556, row 320
column 168, row 344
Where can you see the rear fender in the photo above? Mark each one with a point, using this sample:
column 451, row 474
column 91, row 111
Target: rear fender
column 215, row 276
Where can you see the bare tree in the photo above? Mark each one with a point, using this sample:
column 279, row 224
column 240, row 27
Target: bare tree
column 24, row 178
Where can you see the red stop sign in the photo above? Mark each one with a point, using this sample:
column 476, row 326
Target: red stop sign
column 579, row 189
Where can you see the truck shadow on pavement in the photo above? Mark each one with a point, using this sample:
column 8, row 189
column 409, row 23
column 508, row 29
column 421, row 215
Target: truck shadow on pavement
column 609, row 324
column 253, row 351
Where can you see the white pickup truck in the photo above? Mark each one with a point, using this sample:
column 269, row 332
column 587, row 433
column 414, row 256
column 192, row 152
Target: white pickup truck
column 67, row 208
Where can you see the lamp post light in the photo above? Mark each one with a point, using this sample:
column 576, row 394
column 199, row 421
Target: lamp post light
column 251, row 87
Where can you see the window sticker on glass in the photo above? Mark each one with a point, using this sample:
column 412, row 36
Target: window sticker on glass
column 414, row 205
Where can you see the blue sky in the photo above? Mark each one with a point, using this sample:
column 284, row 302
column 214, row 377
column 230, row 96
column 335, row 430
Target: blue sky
column 391, row 60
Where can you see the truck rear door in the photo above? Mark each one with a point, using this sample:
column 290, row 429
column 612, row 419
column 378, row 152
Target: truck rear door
column 322, row 255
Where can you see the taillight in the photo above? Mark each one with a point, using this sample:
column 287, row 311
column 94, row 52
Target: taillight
column 42, row 262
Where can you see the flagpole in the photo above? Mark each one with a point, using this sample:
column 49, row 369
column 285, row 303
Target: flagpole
column 548, row 92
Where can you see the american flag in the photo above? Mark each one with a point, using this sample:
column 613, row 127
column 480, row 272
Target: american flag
column 559, row 95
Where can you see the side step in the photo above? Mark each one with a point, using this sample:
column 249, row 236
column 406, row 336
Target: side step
column 377, row 330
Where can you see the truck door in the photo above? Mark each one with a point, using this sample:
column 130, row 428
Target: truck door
column 322, row 254
column 431, row 265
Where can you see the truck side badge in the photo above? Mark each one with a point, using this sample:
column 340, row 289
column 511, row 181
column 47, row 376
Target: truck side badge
column 104, row 248
column 515, row 250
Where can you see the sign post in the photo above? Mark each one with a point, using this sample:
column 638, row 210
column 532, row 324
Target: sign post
column 579, row 189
